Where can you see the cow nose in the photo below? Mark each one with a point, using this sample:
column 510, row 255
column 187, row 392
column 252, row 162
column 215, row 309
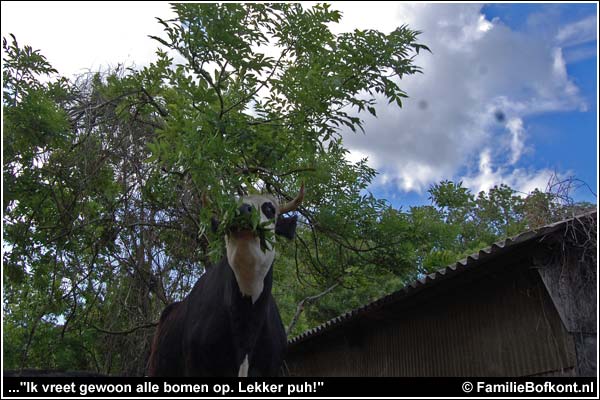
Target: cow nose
column 245, row 209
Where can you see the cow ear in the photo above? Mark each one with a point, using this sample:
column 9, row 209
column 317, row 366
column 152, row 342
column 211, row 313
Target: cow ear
column 286, row 226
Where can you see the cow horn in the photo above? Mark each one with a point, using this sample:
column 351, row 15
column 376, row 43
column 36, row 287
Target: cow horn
column 292, row 205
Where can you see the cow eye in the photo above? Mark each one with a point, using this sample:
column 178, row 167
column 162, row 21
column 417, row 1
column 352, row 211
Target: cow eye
column 268, row 209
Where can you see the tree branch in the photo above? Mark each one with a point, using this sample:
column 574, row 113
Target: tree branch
column 151, row 100
column 262, row 85
column 249, row 170
column 307, row 300
column 126, row 332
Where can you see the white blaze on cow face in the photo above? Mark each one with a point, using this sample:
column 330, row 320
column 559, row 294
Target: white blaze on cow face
column 250, row 264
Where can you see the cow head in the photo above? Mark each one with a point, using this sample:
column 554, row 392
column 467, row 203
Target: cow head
column 249, row 258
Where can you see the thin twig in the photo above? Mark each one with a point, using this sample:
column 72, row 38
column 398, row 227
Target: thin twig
column 126, row 332
column 308, row 300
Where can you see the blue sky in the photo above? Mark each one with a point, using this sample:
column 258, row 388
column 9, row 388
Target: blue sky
column 508, row 94
column 533, row 65
column 563, row 140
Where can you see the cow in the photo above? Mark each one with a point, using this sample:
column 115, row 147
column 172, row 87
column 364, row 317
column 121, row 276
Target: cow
column 229, row 324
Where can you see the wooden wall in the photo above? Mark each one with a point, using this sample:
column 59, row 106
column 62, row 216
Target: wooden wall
column 499, row 324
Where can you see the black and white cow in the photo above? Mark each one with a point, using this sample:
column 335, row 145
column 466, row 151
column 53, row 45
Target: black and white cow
column 229, row 324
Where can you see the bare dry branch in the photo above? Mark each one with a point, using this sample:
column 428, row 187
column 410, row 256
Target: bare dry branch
column 306, row 301
column 127, row 331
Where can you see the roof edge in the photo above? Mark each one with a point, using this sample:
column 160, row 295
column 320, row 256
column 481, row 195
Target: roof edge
column 468, row 263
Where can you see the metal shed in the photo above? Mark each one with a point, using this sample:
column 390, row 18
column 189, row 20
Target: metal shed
column 526, row 306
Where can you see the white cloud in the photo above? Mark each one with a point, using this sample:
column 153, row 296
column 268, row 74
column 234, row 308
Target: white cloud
column 522, row 180
column 81, row 36
column 486, row 178
column 355, row 155
column 484, row 24
column 480, row 83
column 573, row 55
column 578, row 40
column 517, row 132
column 579, row 32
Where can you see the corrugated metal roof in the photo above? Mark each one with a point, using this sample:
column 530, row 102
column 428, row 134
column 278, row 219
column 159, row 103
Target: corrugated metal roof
column 472, row 261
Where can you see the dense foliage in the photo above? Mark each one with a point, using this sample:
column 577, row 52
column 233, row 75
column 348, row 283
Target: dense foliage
column 104, row 180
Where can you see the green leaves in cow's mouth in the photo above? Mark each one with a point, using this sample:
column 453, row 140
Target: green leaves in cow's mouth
column 250, row 222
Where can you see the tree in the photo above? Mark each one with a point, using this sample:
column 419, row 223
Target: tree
column 104, row 219
column 460, row 223
column 104, row 179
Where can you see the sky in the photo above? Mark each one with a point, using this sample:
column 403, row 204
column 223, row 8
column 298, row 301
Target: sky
column 508, row 93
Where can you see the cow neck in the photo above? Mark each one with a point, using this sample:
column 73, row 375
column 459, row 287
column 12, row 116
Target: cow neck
column 250, row 263
column 247, row 317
